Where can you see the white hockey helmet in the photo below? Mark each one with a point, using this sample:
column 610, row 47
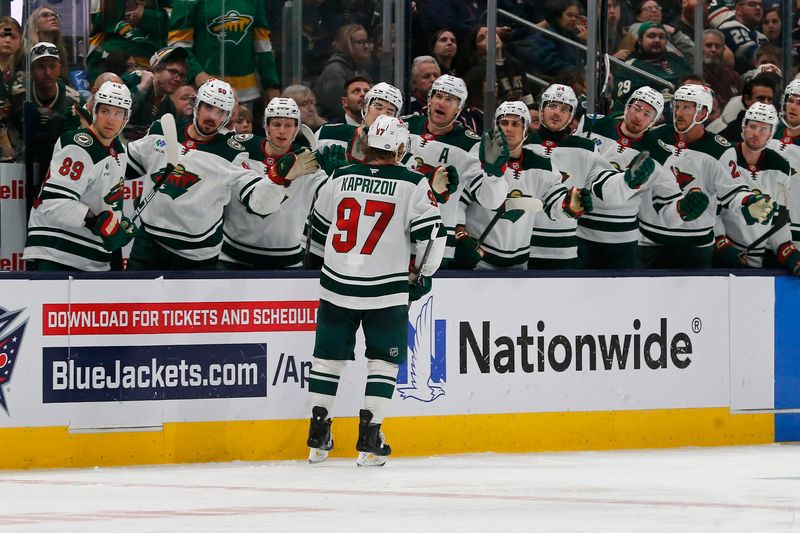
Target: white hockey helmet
column 793, row 89
column 216, row 93
column 649, row 96
column 560, row 93
column 281, row 108
column 515, row 108
column 387, row 133
column 697, row 94
column 384, row 91
column 450, row 85
column 114, row 94
column 760, row 112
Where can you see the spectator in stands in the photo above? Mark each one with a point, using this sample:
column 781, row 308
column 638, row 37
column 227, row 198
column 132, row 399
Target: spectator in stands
column 81, row 116
column 742, row 33
column 352, row 58
column 352, row 101
column 471, row 116
column 444, row 48
column 150, row 89
column 616, row 33
column 10, row 50
column 183, row 100
column 249, row 62
column 767, row 59
column 120, row 62
column 771, row 25
column 678, row 43
column 685, row 22
column 244, row 120
column 512, row 84
column 650, row 55
column 759, row 89
column 723, row 79
column 549, row 55
column 307, row 102
column 424, row 71
column 138, row 27
column 44, row 25
column 459, row 15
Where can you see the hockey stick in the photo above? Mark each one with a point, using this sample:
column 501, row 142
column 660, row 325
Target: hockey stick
column 309, row 136
column 780, row 220
column 416, row 277
column 172, row 151
column 525, row 203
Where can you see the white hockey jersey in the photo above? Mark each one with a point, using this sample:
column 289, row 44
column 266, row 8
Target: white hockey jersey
column 344, row 135
column 366, row 220
column 84, row 176
column 769, row 176
column 708, row 164
column 508, row 243
column 789, row 148
column 273, row 241
column 186, row 214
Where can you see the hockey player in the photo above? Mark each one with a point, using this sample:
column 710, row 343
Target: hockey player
column 450, row 154
column 368, row 220
column 182, row 225
column 787, row 144
column 507, row 245
column 763, row 170
column 554, row 243
column 608, row 237
column 75, row 221
column 698, row 160
column 252, row 241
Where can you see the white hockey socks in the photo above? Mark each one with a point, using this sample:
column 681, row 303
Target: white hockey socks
column 381, row 381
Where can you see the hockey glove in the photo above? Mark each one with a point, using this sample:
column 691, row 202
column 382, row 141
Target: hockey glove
column 692, row 205
column 758, row 208
column 467, row 253
column 330, row 158
column 577, row 202
column 107, row 227
column 493, row 152
column 789, row 257
column 419, row 288
column 639, row 172
column 291, row 166
column 444, row 182
column 726, row 255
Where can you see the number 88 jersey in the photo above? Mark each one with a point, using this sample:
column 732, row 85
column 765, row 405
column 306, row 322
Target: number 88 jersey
column 365, row 220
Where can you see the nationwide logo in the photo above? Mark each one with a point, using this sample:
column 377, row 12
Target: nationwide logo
column 230, row 27
column 10, row 342
column 177, row 183
column 424, row 375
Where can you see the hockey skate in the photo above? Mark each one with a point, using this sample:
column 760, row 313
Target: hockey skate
column 371, row 444
column 319, row 440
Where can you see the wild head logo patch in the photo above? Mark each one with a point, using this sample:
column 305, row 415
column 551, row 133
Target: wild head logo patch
column 230, row 27
column 683, row 178
column 177, row 183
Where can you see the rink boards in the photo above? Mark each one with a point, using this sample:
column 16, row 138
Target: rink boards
column 129, row 371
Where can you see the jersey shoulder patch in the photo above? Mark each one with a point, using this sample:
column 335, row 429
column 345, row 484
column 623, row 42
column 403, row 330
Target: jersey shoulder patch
column 471, row 134
column 722, row 141
column 243, row 137
column 236, row 145
column 81, row 138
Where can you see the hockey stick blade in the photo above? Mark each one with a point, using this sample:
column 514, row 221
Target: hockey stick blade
column 172, row 151
column 309, row 136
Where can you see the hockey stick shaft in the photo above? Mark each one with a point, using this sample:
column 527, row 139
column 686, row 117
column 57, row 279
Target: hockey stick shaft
column 781, row 219
column 172, row 152
column 417, row 276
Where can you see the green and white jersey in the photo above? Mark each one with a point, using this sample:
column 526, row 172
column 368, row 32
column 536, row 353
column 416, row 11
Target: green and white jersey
column 769, row 176
column 619, row 223
column 458, row 148
column 788, row 147
column 508, row 244
column 84, row 176
column 272, row 241
column 343, row 135
column 366, row 220
column 708, row 164
column 185, row 216
column 580, row 165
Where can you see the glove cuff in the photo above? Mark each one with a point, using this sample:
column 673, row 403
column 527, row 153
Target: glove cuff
column 568, row 200
column 275, row 176
column 722, row 242
column 785, row 251
column 494, row 170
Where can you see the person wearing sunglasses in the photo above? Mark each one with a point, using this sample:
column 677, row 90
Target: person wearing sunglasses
column 151, row 89
column 44, row 25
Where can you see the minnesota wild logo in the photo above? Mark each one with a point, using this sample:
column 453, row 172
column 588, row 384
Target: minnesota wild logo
column 683, row 178
column 115, row 196
column 514, row 214
column 230, row 27
column 177, row 183
column 422, row 167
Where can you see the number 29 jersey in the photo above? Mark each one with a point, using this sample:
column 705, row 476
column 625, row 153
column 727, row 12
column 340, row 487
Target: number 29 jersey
column 365, row 220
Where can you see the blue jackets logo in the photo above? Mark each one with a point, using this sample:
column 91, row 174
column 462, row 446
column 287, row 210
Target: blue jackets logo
column 424, row 375
column 9, row 348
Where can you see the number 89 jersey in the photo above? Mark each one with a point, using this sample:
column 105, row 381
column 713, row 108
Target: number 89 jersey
column 365, row 220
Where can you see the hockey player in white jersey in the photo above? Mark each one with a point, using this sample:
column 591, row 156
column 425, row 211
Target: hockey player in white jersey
column 609, row 236
column 75, row 223
column 529, row 176
column 554, row 244
column 182, row 225
column 252, row 241
column 448, row 153
column 768, row 173
column 368, row 220
column 787, row 144
column 698, row 160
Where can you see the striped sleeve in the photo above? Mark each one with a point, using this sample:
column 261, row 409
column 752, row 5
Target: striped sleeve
column 181, row 33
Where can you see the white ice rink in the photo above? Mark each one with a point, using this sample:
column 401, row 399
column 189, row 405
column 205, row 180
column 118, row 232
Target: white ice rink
column 737, row 489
